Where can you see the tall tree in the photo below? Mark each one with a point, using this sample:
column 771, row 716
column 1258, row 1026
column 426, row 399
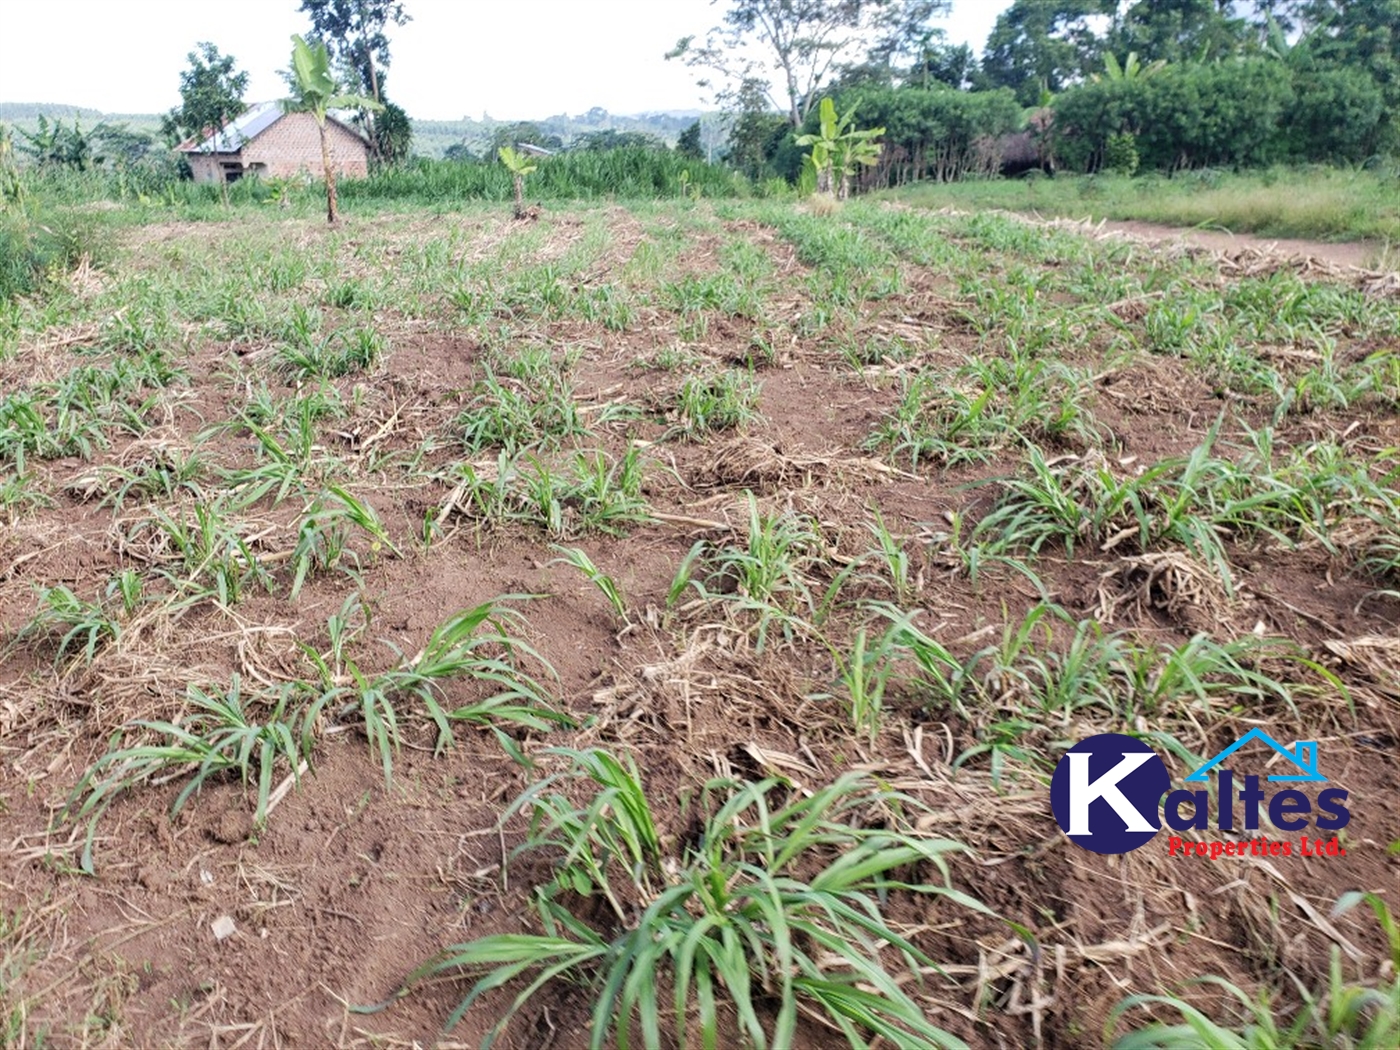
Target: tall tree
column 354, row 33
column 1040, row 45
column 211, row 95
column 802, row 43
column 905, row 33
column 316, row 92
column 1362, row 35
column 1179, row 30
column 951, row 64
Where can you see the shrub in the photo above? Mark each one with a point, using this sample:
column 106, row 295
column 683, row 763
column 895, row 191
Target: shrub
column 1120, row 154
column 34, row 250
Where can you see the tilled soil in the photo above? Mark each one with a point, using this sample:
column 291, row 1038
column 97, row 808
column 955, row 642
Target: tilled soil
column 352, row 883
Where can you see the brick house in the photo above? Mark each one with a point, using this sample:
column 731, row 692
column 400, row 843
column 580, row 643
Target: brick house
column 266, row 141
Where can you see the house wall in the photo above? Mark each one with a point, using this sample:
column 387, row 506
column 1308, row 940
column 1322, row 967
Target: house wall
column 205, row 166
column 293, row 146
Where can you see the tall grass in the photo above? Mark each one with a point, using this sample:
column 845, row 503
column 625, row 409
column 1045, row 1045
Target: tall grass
column 632, row 172
column 36, row 248
column 1319, row 202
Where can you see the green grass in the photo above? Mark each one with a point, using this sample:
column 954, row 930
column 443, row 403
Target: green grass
column 771, row 909
column 1321, row 203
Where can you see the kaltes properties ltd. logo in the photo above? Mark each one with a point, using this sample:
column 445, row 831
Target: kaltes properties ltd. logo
column 1112, row 794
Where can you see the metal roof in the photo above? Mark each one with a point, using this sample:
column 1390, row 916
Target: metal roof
column 237, row 133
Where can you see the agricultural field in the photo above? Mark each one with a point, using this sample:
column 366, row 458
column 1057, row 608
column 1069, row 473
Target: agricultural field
column 661, row 621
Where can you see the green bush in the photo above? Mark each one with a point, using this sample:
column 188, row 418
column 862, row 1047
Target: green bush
column 1246, row 112
column 1120, row 154
column 34, row 250
column 938, row 133
column 1336, row 116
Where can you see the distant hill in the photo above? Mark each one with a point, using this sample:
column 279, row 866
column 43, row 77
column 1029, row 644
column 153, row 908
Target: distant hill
column 26, row 113
column 431, row 138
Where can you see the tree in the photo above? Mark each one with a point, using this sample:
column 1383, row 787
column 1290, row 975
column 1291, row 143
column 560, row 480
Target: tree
column 611, row 138
column 519, row 165
column 316, row 92
column 905, row 34
column 756, row 133
column 1042, row 45
column 211, row 95
column 803, row 43
column 688, row 144
column 951, row 64
column 1362, row 35
column 392, row 135
column 1179, row 30
column 353, row 32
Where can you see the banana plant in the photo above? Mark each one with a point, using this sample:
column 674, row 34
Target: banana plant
column 1131, row 68
column 519, row 165
column 318, row 93
column 838, row 149
column 823, row 145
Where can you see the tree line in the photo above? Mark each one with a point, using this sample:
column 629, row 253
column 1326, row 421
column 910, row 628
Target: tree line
column 1083, row 85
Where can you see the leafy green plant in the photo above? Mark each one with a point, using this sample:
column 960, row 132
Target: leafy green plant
column 606, row 585
column 323, row 533
column 838, row 149
column 716, row 401
column 316, row 92
column 773, row 905
column 474, row 645
column 340, row 353
column 86, row 625
column 519, row 165
column 519, row 415
column 218, row 738
column 769, row 576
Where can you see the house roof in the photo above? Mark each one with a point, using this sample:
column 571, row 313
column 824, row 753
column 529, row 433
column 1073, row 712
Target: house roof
column 237, row 133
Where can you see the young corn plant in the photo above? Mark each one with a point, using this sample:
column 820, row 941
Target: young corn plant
column 83, row 626
column 221, row 736
column 323, row 534
column 716, row 401
column 865, row 674
column 769, row 576
column 473, row 646
column 770, row 910
column 212, row 552
column 514, row 416
column 341, row 353
column 606, row 585
column 1341, row 1013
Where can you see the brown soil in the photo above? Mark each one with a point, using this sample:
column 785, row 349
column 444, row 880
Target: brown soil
column 352, row 884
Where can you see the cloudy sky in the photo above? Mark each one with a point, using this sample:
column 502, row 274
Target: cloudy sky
column 510, row 58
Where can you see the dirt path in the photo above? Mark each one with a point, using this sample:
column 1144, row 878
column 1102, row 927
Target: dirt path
column 1354, row 253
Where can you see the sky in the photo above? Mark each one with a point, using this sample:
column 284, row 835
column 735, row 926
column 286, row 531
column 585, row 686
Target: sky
column 513, row 59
